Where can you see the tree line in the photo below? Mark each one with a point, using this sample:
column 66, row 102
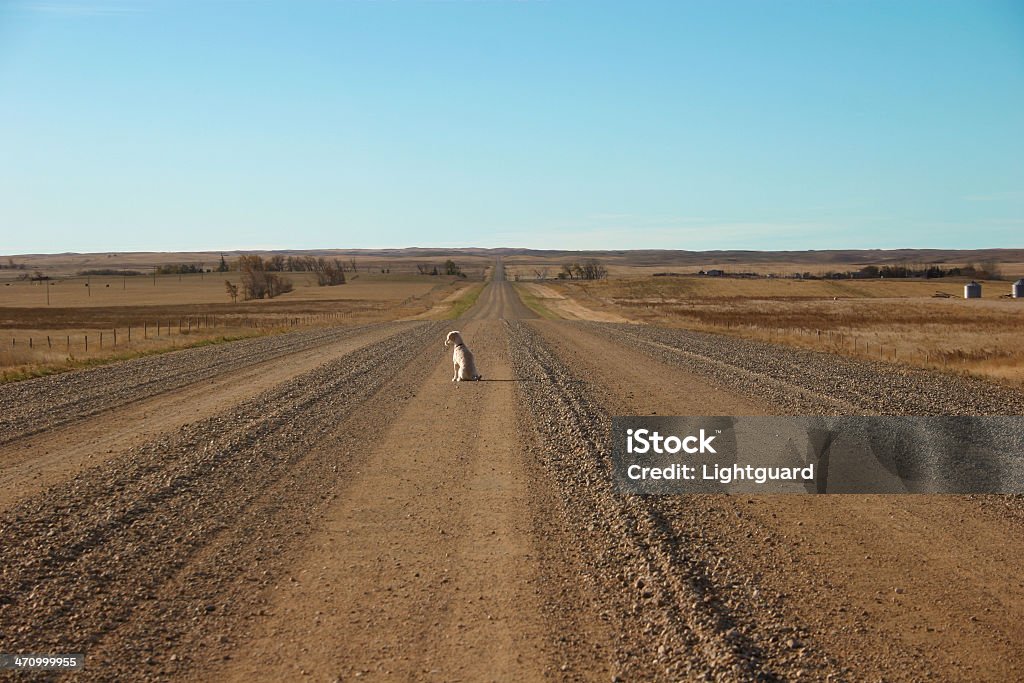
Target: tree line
column 988, row 270
column 449, row 268
column 260, row 280
column 591, row 269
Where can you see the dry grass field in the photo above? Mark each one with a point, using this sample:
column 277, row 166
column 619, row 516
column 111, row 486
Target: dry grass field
column 900, row 320
column 529, row 265
column 200, row 289
column 474, row 262
column 96, row 319
column 895, row 320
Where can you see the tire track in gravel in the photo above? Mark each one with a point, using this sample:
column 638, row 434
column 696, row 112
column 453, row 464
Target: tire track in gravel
column 35, row 405
column 893, row 587
column 430, row 562
column 675, row 616
column 814, row 383
column 144, row 561
column 499, row 301
column 33, row 463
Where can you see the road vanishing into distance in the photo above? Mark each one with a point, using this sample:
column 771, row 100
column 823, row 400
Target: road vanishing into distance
column 327, row 504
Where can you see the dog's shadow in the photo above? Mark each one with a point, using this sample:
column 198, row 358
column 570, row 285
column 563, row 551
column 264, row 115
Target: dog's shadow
column 509, row 379
column 524, row 379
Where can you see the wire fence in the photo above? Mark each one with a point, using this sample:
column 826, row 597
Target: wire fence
column 125, row 337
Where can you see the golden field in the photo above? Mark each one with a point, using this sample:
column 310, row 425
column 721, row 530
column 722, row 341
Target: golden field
column 79, row 324
column 202, row 289
column 899, row 321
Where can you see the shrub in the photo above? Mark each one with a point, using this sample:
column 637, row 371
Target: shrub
column 257, row 283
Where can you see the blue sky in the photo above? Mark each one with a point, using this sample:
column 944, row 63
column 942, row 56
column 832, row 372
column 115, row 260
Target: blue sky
column 222, row 124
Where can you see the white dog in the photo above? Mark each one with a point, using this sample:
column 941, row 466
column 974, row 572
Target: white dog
column 465, row 368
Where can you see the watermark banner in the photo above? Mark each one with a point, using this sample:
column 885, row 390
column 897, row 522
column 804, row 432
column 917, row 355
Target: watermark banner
column 848, row 454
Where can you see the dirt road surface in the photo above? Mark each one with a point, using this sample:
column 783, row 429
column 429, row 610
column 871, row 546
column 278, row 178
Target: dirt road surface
column 329, row 506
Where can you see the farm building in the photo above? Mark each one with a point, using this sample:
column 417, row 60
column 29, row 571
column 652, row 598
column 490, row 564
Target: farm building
column 972, row 290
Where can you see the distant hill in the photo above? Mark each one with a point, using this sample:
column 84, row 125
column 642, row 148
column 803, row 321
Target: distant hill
column 838, row 258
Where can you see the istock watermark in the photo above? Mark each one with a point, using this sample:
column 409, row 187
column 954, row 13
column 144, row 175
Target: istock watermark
column 849, row 454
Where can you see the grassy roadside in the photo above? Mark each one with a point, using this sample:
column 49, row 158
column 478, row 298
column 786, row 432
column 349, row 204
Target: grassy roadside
column 533, row 302
column 465, row 302
column 71, row 364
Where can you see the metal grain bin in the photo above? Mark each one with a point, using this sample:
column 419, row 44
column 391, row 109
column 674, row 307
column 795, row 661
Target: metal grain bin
column 1018, row 289
column 972, row 290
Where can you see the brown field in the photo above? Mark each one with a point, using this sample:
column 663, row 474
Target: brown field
column 894, row 320
column 367, row 262
column 529, row 265
column 78, row 326
column 204, row 288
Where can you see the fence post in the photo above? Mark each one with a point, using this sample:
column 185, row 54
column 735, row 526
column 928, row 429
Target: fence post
column 87, row 343
column 48, row 344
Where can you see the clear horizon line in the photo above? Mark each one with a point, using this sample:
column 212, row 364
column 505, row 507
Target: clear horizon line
column 266, row 249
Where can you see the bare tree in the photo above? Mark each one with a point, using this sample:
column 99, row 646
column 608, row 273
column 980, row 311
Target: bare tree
column 232, row 290
column 330, row 272
column 257, row 283
column 990, row 270
column 593, row 269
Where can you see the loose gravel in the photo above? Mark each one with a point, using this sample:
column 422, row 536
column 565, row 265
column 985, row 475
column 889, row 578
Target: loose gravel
column 814, row 383
column 38, row 404
column 154, row 562
column 680, row 613
column 131, row 559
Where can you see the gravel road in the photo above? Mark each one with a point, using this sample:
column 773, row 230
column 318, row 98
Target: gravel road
column 814, row 383
column 47, row 402
column 356, row 514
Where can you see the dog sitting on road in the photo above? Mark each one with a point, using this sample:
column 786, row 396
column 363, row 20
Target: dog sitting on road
column 462, row 357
